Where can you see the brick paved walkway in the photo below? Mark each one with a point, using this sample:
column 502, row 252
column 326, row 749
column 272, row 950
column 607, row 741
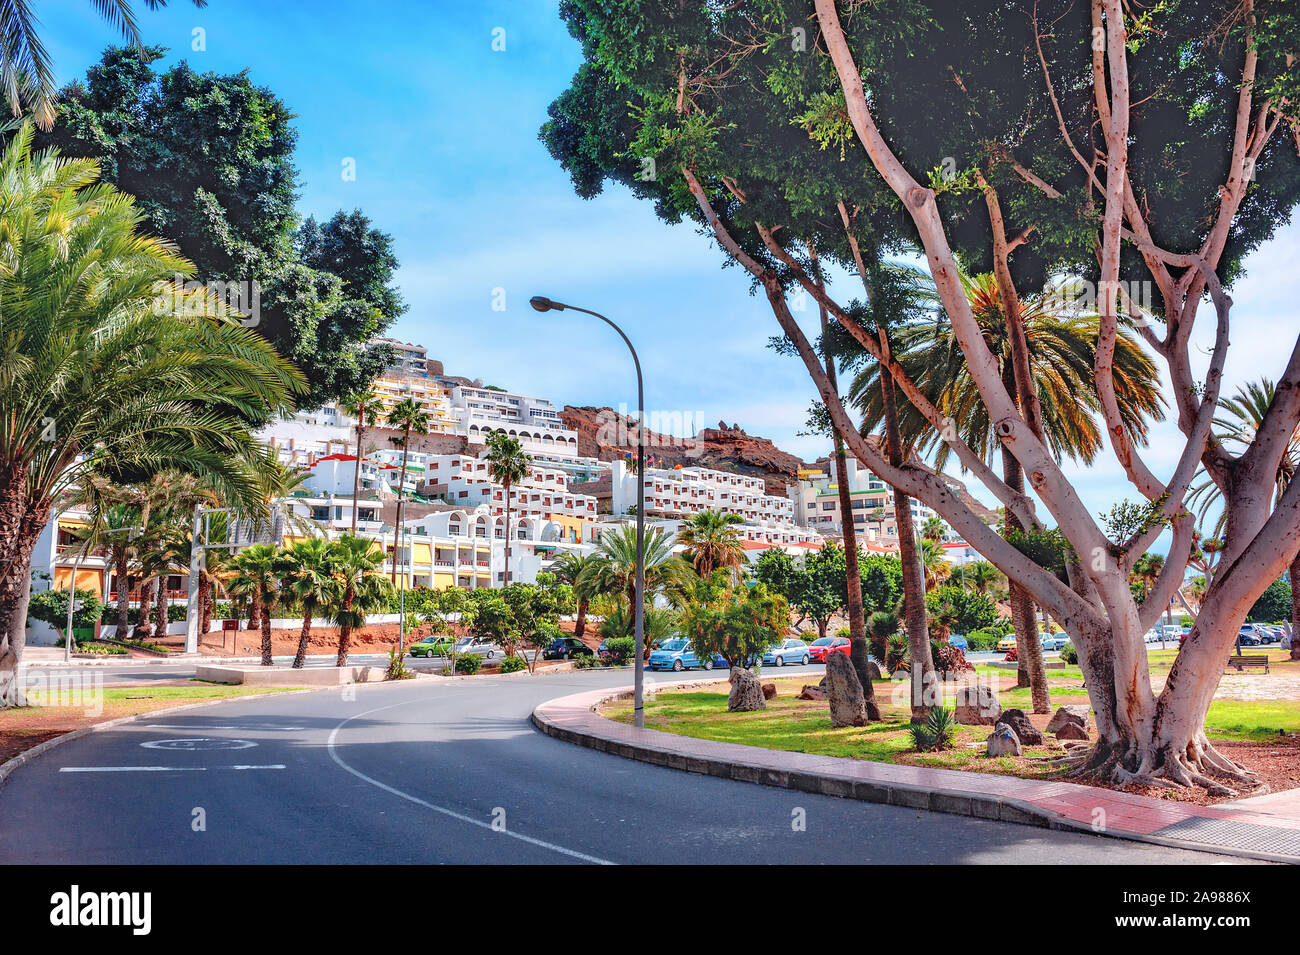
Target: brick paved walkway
column 1266, row 827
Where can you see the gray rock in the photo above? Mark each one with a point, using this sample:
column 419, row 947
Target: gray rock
column 1073, row 713
column 1029, row 734
column 1003, row 741
column 746, row 692
column 977, row 705
column 810, row 692
column 1071, row 731
column 844, row 690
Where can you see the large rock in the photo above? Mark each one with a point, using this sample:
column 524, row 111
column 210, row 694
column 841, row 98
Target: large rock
column 1071, row 731
column 810, row 692
column 977, row 705
column 844, row 690
column 769, row 691
column 1072, row 713
column 873, row 670
column 746, row 692
column 1003, row 741
column 1029, row 734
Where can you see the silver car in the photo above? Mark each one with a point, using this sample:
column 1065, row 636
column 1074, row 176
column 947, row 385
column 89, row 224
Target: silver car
column 479, row 646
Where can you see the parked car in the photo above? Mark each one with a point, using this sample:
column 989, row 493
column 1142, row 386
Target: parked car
column 1007, row 643
column 479, row 646
column 566, row 648
column 1247, row 637
column 676, row 654
column 958, row 641
column 792, row 650
column 434, row 645
column 1053, row 641
column 821, row 647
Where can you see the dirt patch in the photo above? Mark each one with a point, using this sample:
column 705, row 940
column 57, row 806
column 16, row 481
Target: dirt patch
column 375, row 638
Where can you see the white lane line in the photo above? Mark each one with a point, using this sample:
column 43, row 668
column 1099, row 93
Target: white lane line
column 267, row 766
column 132, row 769
column 178, row 726
column 442, row 809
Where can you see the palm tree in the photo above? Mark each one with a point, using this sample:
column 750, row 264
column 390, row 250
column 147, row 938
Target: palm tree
column 568, row 569
column 1061, row 351
column 981, row 575
column 95, row 366
column 26, row 69
column 614, row 571
column 933, row 528
column 1240, row 417
column 713, row 542
column 410, row 417
column 508, row 464
column 364, row 405
column 257, row 580
column 1146, row 571
column 361, row 586
column 934, row 563
column 308, row 581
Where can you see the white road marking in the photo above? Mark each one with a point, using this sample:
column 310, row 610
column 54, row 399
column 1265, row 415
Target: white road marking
column 442, row 809
column 196, row 743
column 174, row 726
column 132, row 769
column 267, row 766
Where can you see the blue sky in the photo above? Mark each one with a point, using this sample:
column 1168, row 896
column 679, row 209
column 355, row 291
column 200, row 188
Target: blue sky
column 443, row 130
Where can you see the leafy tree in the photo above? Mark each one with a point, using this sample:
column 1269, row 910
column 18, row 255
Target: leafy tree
column 98, row 379
column 752, row 620
column 210, row 159
column 51, row 606
column 882, row 582
column 307, row 581
column 970, row 610
column 1274, row 604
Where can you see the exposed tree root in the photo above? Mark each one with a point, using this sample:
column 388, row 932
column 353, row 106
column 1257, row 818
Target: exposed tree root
column 1199, row 766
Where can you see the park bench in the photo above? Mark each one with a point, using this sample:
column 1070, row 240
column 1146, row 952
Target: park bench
column 1244, row 661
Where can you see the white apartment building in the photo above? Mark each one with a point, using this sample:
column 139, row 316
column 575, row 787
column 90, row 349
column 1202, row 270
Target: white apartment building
column 464, row 480
column 478, row 410
column 673, row 494
column 816, row 502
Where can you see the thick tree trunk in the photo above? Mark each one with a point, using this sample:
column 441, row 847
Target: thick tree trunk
column 205, row 607
column 345, row 628
column 12, row 643
column 266, row 635
column 123, row 593
column 1029, row 649
column 300, row 658
column 580, row 625
column 1295, row 608
column 255, row 612
column 20, row 528
column 161, row 604
column 918, row 631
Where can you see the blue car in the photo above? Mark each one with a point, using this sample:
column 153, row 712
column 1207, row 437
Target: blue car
column 676, row 654
column 1052, row 641
column 958, row 641
column 788, row 651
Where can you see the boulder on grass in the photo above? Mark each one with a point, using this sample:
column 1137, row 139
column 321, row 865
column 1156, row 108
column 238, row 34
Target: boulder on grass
column 873, row 670
column 746, row 692
column 769, row 691
column 977, row 705
column 844, row 690
column 1071, row 713
column 1003, row 741
column 810, row 692
column 1071, row 731
column 1029, row 734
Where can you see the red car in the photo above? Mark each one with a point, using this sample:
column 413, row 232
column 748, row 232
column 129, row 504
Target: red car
column 818, row 649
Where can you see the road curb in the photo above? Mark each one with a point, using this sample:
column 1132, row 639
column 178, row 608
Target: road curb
column 556, row 718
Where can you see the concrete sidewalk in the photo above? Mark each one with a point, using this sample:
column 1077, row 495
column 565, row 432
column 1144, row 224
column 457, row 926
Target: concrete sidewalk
column 1266, row 827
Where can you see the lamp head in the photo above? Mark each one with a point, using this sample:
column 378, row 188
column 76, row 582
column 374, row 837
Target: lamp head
column 544, row 304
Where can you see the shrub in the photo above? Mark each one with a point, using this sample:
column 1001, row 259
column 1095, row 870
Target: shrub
column 1012, row 656
column 592, row 662
column 397, row 668
column 176, row 613
column 1069, row 654
column 223, row 610
column 467, row 664
column 513, row 664
column 984, row 639
column 935, row 733
column 51, row 606
column 948, row 660
column 617, row 653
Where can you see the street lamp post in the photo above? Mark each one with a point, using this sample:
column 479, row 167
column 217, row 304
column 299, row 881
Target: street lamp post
column 543, row 304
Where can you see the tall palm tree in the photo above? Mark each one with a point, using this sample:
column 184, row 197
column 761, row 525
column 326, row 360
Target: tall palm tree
column 308, row 581
column 26, row 69
column 569, row 569
column 1061, row 350
column 257, row 579
column 410, row 417
column 364, row 405
column 1239, row 418
column 933, row 528
column 508, row 465
column 614, row 571
column 934, row 563
column 361, row 586
column 95, row 365
column 981, row 575
column 713, row 542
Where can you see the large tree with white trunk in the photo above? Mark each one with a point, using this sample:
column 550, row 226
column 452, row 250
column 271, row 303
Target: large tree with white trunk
column 1142, row 151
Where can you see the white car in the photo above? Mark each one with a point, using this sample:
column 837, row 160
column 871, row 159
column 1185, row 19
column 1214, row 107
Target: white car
column 478, row 646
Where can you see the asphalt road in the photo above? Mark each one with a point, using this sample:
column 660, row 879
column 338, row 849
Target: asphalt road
column 430, row 772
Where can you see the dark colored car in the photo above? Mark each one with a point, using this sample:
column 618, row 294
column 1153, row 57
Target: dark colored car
column 566, row 648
